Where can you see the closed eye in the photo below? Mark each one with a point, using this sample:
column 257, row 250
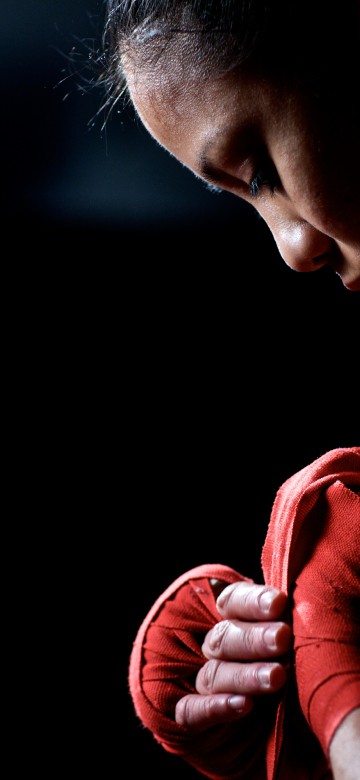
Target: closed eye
column 266, row 176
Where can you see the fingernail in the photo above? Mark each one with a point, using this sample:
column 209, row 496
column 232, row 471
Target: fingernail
column 266, row 600
column 236, row 702
column 270, row 637
column 264, row 676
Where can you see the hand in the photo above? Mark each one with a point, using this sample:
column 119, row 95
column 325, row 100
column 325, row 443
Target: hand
column 239, row 649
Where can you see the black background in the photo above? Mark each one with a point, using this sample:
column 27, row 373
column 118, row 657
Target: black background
column 167, row 372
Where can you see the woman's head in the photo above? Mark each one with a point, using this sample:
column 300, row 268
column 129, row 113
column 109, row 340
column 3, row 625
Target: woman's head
column 252, row 102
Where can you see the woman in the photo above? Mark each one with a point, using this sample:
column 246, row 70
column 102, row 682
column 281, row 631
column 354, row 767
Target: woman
column 257, row 99
column 260, row 100
column 217, row 714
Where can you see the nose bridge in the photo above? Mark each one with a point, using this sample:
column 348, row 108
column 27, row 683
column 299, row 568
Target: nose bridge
column 301, row 245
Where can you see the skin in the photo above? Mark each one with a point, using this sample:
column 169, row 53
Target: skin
column 251, row 633
column 224, row 130
column 345, row 748
column 233, row 649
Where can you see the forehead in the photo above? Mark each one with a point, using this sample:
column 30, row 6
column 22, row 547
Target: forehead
column 176, row 109
column 190, row 116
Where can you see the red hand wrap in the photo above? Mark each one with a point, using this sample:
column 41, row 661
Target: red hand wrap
column 308, row 555
column 312, row 551
column 165, row 659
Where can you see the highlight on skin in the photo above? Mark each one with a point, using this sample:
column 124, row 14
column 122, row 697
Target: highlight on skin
column 154, row 48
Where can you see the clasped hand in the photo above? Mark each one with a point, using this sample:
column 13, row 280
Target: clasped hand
column 240, row 652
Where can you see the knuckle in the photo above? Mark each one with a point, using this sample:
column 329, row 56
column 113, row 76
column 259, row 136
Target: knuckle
column 226, row 595
column 183, row 712
column 208, row 674
column 218, row 636
column 236, row 599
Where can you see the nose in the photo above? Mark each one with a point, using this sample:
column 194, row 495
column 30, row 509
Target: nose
column 303, row 247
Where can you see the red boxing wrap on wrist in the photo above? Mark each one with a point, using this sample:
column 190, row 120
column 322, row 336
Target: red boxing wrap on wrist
column 165, row 659
column 312, row 552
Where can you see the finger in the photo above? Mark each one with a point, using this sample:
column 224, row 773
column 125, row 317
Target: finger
column 251, row 602
column 233, row 640
column 199, row 712
column 244, row 679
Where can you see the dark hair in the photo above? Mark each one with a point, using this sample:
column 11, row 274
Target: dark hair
column 221, row 32
column 284, row 38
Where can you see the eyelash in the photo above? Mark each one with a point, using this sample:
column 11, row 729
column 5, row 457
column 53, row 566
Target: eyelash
column 265, row 177
column 213, row 188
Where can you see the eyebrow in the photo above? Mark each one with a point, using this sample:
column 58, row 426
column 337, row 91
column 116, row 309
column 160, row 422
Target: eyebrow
column 206, row 168
column 210, row 172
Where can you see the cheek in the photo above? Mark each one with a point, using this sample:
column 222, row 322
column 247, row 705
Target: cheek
column 324, row 184
column 322, row 196
column 337, row 217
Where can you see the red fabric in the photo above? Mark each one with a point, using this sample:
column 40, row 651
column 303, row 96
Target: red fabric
column 167, row 653
column 314, row 516
column 312, row 552
column 165, row 659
